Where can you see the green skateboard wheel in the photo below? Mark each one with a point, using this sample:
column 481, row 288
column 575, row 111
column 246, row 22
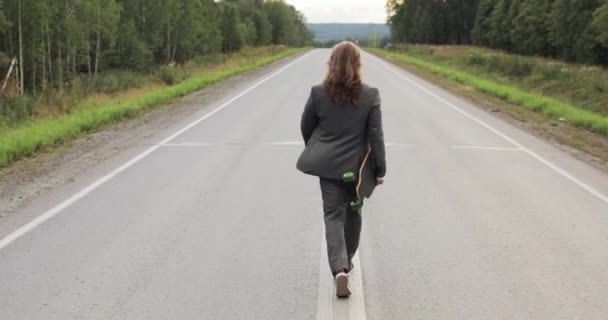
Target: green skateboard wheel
column 356, row 205
column 349, row 177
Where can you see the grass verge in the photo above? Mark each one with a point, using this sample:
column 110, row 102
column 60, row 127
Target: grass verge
column 41, row 134
column 548, row 106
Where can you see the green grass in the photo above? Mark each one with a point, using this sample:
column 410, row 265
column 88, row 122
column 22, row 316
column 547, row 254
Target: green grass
column 41, row 134
column 548, row 106
column 584, row 86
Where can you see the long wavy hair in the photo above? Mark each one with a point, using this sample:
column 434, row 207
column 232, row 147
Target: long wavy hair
column 343, row 81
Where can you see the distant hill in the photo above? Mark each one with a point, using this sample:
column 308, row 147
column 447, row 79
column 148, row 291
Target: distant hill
column 340, row 31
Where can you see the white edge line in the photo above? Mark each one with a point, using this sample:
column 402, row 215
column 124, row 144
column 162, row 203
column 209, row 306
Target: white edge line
column 535, row 155
column 326, row 297
column 66, row 203
column 82, row 193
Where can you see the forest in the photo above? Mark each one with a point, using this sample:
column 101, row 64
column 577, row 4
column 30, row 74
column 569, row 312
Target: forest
column 572, row 30
column 54, row 42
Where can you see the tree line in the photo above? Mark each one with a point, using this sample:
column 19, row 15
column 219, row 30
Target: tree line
column 57, row 40
column 573, row 30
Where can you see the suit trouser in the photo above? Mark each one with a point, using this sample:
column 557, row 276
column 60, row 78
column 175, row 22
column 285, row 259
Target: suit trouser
column 342, row 224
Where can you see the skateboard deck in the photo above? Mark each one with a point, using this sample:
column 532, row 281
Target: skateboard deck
column 367, row 180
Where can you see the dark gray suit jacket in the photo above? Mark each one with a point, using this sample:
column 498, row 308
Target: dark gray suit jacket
column 338, row 136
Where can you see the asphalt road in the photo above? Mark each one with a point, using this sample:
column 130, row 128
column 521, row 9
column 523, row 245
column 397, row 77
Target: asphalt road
column 477, row 220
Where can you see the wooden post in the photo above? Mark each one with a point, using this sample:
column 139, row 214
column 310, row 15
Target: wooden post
column 8, row 75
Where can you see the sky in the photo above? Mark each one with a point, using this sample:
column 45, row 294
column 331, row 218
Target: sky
column 323, row 11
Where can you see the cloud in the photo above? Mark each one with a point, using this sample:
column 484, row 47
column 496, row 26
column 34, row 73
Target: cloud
column 342, row 11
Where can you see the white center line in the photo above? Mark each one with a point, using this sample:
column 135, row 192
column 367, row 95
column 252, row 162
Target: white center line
column 329, row 307
column 356, row 302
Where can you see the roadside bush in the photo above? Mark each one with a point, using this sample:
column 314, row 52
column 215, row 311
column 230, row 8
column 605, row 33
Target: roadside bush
column 475, row 59
column 415, row 49
column 171, row 75
column 548, row 71
column 77, row 90
column 516, row 66
column 16, row 110
column 208, row 60
column 113, row 81
column 493, row 63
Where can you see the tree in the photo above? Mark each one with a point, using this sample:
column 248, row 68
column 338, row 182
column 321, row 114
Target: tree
column 571, row 30
column 432, row 21
column 4, row 25
column 279, row 19
column 187, row 30
column 232, row 39
column 263, row 28
column 131, row 51
column 482, row 27
column 288, row 25
column 529, row 33
column 21, row 62
column 600, row 23
column 499, row 25
column 56, row 41
column 514, row 10
column 248, row 32
column 210, row 38
column 395, row 21
column 149, row 18
column 106, row 14
column 424, row 24
column 460, row 19
column 304, row 35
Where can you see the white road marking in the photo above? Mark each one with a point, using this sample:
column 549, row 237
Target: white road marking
column 394, row 144
column 356, row 301
column 329, row 307
column 285, row 143
column 486, row 148
column 300, row 144
column 326, row 293
column 232, row 144
column 82, row 193
column 193, row 144
column 599, row 195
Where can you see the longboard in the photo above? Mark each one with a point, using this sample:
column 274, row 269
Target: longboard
column 364, row 180
column 367, row 181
